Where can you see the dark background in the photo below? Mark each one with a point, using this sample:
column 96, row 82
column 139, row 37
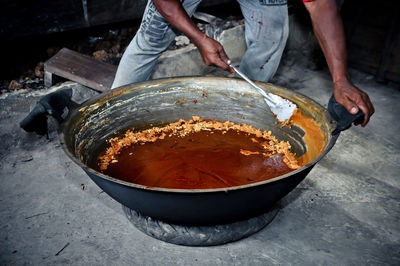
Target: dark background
column 33, row 31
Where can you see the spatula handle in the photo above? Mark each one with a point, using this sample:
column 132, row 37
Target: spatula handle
column 260, row 90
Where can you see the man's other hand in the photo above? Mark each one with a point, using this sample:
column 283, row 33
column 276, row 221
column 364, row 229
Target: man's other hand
column 353, row 99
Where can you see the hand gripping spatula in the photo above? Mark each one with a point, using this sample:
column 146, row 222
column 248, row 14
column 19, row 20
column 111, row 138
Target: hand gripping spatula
column 282, row 108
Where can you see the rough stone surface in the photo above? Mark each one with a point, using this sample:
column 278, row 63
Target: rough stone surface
column 234, row 43
column 346, row 212
column 187, row 61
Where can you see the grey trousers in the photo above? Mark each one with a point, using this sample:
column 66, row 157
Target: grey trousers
column 266, row 32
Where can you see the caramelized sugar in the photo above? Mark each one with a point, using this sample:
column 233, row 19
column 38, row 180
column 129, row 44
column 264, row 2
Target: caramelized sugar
column 198, row 160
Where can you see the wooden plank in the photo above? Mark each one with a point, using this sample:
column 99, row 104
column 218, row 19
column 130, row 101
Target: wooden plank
column 105, row 11
column 372, row 34
column 81, row 68
column 22, row 18
column 387, row 51
column 365, row 48
column 393, row 70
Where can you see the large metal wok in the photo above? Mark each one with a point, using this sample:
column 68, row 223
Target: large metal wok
column 85, row 131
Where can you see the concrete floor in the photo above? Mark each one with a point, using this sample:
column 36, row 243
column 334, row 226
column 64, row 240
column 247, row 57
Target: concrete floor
column 346, row 212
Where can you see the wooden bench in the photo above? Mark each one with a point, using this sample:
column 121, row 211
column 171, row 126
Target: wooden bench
column 80, row 68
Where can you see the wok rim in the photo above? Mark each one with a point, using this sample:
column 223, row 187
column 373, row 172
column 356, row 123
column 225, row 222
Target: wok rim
column 330, row 143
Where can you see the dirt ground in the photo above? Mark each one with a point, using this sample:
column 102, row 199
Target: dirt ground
column 345, row 212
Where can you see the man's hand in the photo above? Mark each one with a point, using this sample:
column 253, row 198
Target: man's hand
column 213, row 53
column 328, row 29
column 353, row 99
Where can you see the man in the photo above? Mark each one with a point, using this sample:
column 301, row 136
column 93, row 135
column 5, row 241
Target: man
column 267, row 30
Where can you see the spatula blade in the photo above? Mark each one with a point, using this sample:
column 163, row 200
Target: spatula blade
column 281, row 107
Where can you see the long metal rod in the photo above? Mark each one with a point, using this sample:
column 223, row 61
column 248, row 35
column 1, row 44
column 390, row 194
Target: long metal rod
column 259, row 89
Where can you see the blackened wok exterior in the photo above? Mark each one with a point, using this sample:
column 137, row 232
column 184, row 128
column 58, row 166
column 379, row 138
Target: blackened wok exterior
column 85, row 131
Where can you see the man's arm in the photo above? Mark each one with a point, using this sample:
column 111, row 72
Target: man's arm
column 211, row 51
column 328, row 29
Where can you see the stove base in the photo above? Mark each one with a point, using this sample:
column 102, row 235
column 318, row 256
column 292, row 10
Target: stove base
column 199, row 235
